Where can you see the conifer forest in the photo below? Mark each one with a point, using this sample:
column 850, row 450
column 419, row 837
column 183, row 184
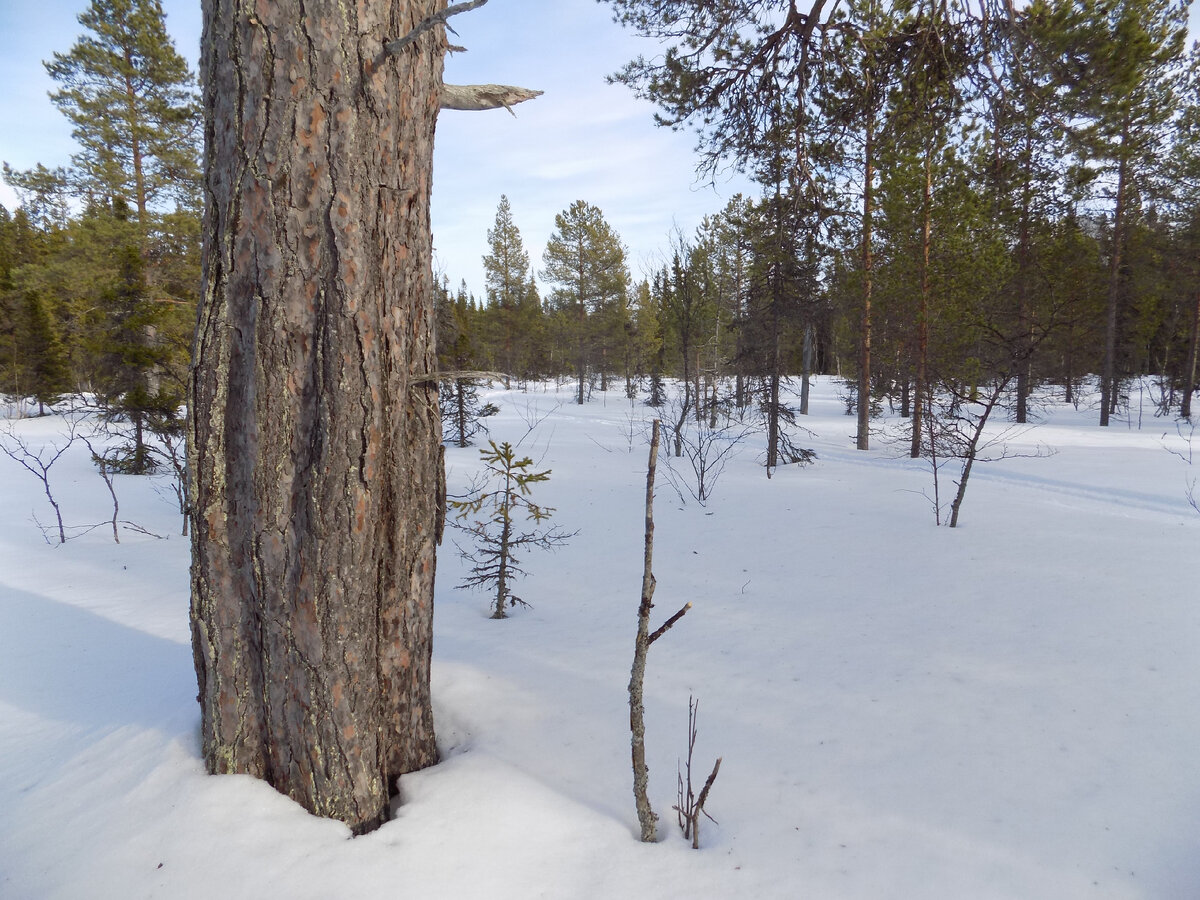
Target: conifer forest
column 961, row 237
column 949, row 197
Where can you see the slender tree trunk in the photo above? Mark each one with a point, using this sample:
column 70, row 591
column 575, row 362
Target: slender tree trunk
column 460, row 409
column 914, row 450
column 773, row 381
column 685, row 347
column 505, row 539
column 972, row 448
column 314, row 427
column 581, row 353
column 1024, row 277
column 141, row 454
column 581, row 348
column 1069, row 364
column 806, row 362
column 864, row 328
column 1108, row 391
column 1189, row 371
column 139, row 176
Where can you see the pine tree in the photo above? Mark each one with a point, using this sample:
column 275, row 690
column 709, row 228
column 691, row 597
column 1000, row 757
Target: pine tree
column 585, row 258
column 648, row 340
column 314, row 440
column 1185, row 214
column 780, row 233
column 1116, row 61
column 130, row 97
column 728, row 243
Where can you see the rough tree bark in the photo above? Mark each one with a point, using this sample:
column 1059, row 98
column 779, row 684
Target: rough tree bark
column 314, row 427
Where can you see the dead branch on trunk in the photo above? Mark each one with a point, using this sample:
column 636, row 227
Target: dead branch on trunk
column 431, row 22
column 667, row 624
column 469, row 97
column 477, row 97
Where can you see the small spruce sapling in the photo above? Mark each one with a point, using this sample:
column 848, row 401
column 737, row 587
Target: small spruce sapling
column 490, row 513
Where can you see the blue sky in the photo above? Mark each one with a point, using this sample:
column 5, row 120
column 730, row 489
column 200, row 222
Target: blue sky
column 582, row 140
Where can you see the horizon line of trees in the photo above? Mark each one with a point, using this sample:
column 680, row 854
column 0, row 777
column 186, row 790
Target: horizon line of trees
column 943, row 199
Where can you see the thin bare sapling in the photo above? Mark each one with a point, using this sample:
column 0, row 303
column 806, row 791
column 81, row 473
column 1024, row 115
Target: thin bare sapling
column 690, row 806
column 1186, row 453
column 107, row 463
column 496, row 512
column 39, row 464
column 706, row 450
column 956, row 429
column 647, row 819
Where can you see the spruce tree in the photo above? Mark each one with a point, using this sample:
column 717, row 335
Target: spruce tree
column 47, row 375
column 506, row 270
column 131, row 358
column 493, row 513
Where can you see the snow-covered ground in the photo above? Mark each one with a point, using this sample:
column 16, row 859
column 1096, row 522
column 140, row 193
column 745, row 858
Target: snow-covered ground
column 1007, row 710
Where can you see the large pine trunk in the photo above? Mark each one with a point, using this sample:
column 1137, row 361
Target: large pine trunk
column 314, row 427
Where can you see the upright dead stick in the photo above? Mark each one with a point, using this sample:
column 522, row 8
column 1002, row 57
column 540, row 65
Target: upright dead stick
column 637, row 712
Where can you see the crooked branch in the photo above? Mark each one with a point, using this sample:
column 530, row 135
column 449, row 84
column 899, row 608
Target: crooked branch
column 429, row 23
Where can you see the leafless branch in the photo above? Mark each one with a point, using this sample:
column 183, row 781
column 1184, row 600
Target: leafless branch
column 430, row 22
column 690, row 807
column 665, row 627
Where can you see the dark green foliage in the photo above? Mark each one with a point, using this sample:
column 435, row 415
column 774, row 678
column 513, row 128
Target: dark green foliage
column 991, row 198
column 513, row 314
column 47, row 376
column 119, row 278
column 585, row 259
column 131, row 386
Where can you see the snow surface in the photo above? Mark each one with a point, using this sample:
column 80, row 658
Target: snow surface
column 1008, row 710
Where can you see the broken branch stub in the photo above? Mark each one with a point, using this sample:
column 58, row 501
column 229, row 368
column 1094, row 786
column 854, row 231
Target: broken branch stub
column 431, row 22
column 477, row 97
